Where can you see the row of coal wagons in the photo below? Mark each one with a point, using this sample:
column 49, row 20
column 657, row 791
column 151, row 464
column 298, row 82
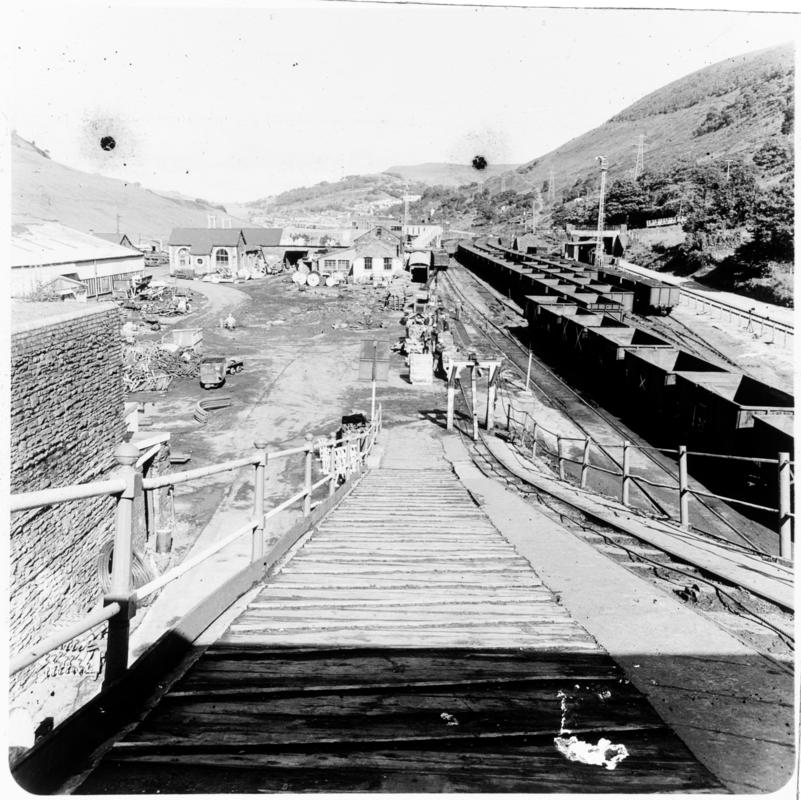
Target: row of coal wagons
column 671, row 396
column 648, row 296
column 524, row 279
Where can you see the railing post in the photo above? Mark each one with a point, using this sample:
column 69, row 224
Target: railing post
column 332, row 484
column 585, row 463
column 785, row 520
column 259, row 475
column 684, row 491
column 474, row 399
column 307, row 498
column 625, row 478
column 119, row 626
column 559, row 461
column 534, row 440
column 451, row 399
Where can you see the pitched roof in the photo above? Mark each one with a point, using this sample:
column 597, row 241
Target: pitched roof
column 262, row 237
column 116, row 238
column 202, row 240
column 40, row 243
column 378, row 233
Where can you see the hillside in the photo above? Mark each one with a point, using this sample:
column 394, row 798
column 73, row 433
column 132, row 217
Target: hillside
column 434, row 174
column 354, row 194
column 729, row 109
column 43, row 189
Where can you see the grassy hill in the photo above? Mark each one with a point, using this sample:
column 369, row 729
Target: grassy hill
column 727, row 110
column 435, row 174
column 361, row 194
column 42, row 189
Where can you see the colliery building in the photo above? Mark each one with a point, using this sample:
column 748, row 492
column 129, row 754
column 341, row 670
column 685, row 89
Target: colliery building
column 43, row 252
column 200, row 251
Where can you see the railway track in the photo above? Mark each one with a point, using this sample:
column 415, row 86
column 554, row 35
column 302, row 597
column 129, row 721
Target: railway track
column 593, row 421
column 682, row 335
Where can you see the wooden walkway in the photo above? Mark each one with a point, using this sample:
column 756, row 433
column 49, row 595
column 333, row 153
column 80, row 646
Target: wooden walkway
column 405, row 647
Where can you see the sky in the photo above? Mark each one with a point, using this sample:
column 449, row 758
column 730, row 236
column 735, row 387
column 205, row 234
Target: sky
column 239, row 103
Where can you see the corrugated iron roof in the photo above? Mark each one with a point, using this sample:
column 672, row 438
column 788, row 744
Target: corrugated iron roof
column 40, row 243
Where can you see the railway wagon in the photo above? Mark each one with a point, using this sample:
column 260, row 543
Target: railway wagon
column 440, row 260
column 537, row 304
column 650, row 296
column 713, row 408
column 606, row 348
column 650, row 381
column 419, row 265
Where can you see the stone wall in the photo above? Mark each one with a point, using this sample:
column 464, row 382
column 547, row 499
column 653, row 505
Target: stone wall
column 67, row 416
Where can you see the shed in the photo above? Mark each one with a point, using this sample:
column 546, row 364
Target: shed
column 44, row 251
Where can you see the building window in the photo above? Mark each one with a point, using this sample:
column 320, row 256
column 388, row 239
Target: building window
column 387, row 264
column 222, row 258
column 330, row 263
column 183, row 257
column 368, row 262
column 343, row 265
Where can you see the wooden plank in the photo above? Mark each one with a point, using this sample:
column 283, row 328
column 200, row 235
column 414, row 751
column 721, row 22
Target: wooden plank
column 411, row 639
column 657, row 763
column 372, row 716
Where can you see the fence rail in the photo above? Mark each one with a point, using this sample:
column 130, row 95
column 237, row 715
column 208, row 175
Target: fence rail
column 121, row 601
column 751, row 318
column 530, row 427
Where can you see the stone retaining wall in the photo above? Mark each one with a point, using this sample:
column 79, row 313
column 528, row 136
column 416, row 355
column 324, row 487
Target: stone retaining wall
column 67, row 416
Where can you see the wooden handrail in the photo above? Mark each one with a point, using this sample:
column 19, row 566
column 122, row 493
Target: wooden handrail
column 42, row 648
column 174, row 478
column 65, row 494
column 121, row 602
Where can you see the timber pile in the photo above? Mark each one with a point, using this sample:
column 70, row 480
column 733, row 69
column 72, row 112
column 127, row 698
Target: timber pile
column 148, row 367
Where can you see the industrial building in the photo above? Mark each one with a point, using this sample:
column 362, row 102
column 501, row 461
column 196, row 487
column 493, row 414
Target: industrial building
column 41, row 252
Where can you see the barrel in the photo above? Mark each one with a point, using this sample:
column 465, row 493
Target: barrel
column 313, row 279
column 330, row 281
column 299, row 278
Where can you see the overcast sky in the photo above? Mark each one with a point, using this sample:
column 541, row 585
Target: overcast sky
column 234, row 104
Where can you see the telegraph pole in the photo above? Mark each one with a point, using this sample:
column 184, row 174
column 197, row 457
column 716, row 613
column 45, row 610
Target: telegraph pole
column 599, row 236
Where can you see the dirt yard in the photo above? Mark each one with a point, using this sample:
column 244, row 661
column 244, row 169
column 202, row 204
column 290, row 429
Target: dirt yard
column 300, row 349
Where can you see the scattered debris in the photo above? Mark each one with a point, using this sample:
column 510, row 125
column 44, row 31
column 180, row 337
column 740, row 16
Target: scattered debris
column 449, row 718
column 604, row 754
column 203, row 407
column 152, row 367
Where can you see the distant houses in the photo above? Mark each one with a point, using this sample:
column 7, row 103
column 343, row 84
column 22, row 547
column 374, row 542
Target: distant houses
column 42, row 252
